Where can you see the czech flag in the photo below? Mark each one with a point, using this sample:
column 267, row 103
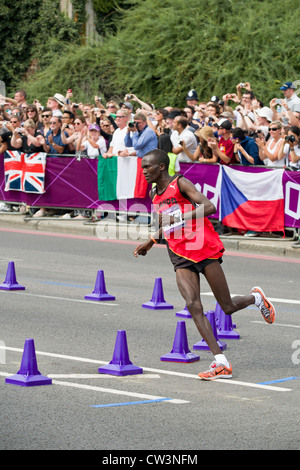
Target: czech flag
column 252, row 201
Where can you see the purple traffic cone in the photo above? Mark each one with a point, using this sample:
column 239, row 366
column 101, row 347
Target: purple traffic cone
column 28, row 375
column 180, row 351
column 10, row 282
column 120, row 363
column 225, row 328
column 157, row 301
column 184, row 313
column 202, row 345
column 218, row 314
column 99, row 293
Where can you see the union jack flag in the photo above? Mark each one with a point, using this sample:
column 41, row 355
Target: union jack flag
column 24, row 171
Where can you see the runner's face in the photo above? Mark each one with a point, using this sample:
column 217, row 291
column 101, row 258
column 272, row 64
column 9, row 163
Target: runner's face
column 151, row 169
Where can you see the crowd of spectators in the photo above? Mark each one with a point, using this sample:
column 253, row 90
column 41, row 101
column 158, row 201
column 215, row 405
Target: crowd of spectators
column 237, row 128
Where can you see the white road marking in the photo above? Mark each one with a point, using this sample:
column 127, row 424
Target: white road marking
column 101, row 376
column 276, row 324
column 155, row 371
column 273, row 299
column 63, row 298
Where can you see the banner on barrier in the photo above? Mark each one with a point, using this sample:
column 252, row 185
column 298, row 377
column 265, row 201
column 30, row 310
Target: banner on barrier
column 70, row 183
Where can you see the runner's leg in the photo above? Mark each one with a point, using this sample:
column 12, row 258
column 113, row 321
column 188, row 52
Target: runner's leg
column 189, row 286
column 216, row 279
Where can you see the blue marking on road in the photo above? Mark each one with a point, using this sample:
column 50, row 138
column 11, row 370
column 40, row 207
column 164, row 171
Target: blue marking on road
column 278, row 380
column 131, row 403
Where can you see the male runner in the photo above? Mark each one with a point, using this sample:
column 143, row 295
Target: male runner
column 194, row 247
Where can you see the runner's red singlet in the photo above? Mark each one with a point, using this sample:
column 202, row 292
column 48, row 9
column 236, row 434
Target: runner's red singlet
column 197, row 240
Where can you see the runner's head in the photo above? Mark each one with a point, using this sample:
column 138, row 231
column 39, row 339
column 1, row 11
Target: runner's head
column 159, row 156
column 155, row 164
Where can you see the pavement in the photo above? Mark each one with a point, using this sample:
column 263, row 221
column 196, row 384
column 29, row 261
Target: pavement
column 108, row 228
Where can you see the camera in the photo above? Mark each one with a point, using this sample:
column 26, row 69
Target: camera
column 290, row 138
column 277, row 101
column 131, row 125
column 242, row 84
column 76, row 105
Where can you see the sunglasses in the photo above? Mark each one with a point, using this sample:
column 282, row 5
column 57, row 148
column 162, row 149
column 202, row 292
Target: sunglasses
column 46, row 115
column 274, row 129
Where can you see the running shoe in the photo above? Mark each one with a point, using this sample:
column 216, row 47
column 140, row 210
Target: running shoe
column 266, row 308
column 216, row 371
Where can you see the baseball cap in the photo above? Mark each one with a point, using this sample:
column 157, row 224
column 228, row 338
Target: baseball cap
column 287, row 85
column 127, row 104
column 94, row 127
column 225, row 124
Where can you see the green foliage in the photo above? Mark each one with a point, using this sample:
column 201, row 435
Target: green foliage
column 175, row 46
column 32, row 33
column 162, row 49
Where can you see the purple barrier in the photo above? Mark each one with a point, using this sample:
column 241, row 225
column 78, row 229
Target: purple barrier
column 70, row 183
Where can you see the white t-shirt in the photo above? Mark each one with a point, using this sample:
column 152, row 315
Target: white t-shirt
column 94, row 152
column 190, row 143
column 117, row 142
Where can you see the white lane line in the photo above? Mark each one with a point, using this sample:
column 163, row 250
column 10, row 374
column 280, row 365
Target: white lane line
column 275, row 324
column 63, row 298
column 112, row 391
column 117, row 392
column 102, row 376
column 155, row 371
column 273, row 299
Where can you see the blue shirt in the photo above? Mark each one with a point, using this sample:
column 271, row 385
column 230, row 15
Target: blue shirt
column 57, row 140
column 142, row 141
column 251, row 148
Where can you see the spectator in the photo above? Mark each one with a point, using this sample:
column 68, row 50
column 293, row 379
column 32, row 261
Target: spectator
column 112, row 108
column 200, row 114
column 53, row 142
column 88, row 113
column 68, row 118
column 203, row 152
column 190, row 111
column 92, row 141
column 182, row 134
column 290, row 96
column 45, row 120
column 192, row 98
column 117, row 145
column 145, row 106
column 170, row 120
column 164, row 143
column 269, row 152
column 32, row 113
column 212, row 113
column 223, row 148
column 55, row 103
column 28, row 139
column 6, row 136
column 19, row 98
column 291, row 149
column 159, row 125
column 263, row 117
column 245, row 148
column 140, row 136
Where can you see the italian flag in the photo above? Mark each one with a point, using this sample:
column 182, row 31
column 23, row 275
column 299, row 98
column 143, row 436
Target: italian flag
column 121, row 178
